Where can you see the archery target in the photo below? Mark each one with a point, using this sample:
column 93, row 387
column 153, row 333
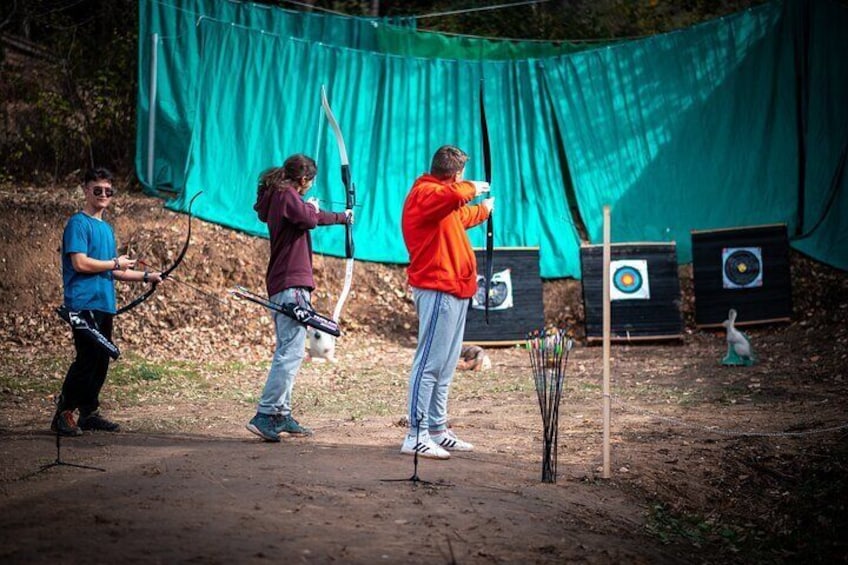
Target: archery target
column 515, row 299
column 644, row 291
column 500, row 292
column 742, row 267
column 745, row 268
column 629, row 280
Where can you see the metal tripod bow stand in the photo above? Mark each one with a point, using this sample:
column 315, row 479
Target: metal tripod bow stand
column 59, row 463
column 414, row 478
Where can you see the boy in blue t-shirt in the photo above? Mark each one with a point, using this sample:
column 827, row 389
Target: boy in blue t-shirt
column 90, row 263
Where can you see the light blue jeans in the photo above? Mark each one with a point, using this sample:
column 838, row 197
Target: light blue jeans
column 441, row 327
column 291, row 343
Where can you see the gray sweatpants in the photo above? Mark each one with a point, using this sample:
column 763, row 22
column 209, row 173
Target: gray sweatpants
column 441, row 327
column 289, row 354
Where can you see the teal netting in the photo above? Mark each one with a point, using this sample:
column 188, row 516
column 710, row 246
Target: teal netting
column 823, row 85
column 402, row 40
column 682, row 131
column 736, row 122
column 176, row 25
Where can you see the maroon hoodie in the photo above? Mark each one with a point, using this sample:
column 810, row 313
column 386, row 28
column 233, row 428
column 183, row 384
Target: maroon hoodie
column 289, row 220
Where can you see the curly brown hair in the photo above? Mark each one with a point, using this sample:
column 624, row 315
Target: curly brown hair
column 297, row 168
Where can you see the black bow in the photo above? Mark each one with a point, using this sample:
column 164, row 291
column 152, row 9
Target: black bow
column 149, row 292
column 490, row 239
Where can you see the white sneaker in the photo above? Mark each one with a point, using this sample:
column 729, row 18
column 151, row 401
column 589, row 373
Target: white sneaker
column 449, row 441
column 424, row 446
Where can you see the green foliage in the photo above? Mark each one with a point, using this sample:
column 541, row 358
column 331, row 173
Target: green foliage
column 134, row 380
column 555, row 20
column 670, row 527
column 69, row 100
column 21, row 375
column 134, row 371
column 814, row 512
column 68, row 94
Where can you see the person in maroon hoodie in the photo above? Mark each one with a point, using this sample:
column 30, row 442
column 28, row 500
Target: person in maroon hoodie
column 280, row 204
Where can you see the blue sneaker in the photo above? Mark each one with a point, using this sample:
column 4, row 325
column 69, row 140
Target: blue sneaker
column 288, row 425
column 263, row 425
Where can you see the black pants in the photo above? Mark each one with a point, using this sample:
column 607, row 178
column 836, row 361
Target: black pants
column 86, row 375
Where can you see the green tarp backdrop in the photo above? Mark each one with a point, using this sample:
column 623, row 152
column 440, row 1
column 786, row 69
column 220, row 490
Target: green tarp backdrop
column 739, row 121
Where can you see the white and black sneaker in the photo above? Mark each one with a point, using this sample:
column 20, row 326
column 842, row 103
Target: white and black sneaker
column 448, row 440
column 424, row 446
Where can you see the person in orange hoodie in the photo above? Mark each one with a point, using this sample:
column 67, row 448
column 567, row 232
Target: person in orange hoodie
column 443, row 275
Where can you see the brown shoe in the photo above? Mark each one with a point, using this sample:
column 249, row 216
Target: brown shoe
column 63, row 424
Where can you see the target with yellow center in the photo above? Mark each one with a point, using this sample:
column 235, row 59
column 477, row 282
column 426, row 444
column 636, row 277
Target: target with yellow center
column 742, row 267
column 629, row 280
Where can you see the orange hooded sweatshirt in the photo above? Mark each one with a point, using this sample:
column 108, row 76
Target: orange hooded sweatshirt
column 435, row 217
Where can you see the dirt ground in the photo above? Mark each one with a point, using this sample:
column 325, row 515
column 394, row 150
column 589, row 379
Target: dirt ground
column 709, row 464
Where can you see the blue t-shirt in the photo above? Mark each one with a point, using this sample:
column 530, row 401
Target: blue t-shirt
column 95, row 238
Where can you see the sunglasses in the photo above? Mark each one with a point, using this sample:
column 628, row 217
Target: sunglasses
column 99, row 191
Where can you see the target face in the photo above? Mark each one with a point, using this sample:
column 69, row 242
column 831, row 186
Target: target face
column 500, row 292
column 742, row 267
column 629, row 280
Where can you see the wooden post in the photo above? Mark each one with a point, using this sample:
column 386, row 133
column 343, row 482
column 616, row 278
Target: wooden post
column 606, row 337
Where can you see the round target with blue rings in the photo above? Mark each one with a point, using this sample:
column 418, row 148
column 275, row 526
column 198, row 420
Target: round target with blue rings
column 627, row 279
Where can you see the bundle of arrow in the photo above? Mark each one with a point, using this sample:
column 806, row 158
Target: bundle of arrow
column 549, row 351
